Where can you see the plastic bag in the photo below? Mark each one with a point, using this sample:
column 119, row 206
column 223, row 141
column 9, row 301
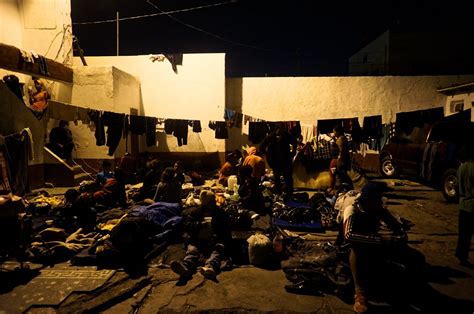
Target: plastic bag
column 260, row 249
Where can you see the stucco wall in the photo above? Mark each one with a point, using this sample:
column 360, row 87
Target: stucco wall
column 45, row 27
column 308, row 99
column 105, row 88
column 197, row 92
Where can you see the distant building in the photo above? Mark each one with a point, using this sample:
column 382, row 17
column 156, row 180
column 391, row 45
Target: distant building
column 415, row 53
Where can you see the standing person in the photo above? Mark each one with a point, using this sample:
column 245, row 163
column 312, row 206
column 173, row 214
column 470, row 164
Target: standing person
column 343, row 163
column 466, row 206
column 61, row 141
column 360, row 226
column 279, row 148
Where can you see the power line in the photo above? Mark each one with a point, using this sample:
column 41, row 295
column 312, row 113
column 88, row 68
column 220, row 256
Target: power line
column 206, row 32
column 155, row 14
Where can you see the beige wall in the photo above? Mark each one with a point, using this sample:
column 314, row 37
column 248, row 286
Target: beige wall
column 308, row 99
column 105, row 88
column 39, row 25
column 466, row 98
column 197, row 92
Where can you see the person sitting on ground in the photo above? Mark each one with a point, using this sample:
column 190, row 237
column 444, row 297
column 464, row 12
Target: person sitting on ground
column 61, row 141
column 112, row 193
column 151, row 179
column 256, row 162
column 169, row 188
column 360, row 230
column 208, row 235
column 129, row 166
column 179, row 172
column 229, row 168
column 105, row 174
column 251, row 197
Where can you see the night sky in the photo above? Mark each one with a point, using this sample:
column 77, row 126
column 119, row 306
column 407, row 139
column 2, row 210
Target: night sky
column 262, row 38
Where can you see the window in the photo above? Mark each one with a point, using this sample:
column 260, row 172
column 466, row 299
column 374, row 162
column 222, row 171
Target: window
column 456, row 106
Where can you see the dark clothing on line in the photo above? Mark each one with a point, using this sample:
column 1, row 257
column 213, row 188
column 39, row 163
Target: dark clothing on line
column 151, row 131
column 137, row 124
column 96, row 117
column 114, row 123
column 257, row 131
column 197, row 126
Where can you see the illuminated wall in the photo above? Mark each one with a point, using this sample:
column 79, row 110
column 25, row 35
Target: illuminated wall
column 196, row 92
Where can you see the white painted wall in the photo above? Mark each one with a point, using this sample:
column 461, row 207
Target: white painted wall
column 45, row 27
column 308, row 99
column 104, row 88
column 466, row 98
column 197, row 92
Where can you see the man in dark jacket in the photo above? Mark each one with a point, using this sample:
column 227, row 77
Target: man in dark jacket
column 61, row 141
column 279, row 148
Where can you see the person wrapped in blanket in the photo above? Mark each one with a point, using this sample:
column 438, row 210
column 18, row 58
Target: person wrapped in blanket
column 360, row 229
column 208, row 235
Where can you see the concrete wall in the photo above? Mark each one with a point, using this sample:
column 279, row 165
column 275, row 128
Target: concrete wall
column 45, row 27
column 104, row 88
column 40, row 25
column 466, row 98
column 196, row 92
column 373, row 58
column 309, row 99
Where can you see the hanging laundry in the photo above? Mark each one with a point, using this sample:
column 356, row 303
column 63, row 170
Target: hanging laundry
column 96, row 117
column 180, row 131
column 294, row 128
column 175, row 59
column 257, row 131
column 150, row 124
column 308, row 132
column 114, row 123
column 196, row 124
column 137, row 124
column 126, row 126
column 169, row 126
column 220, row 128
column 233, row 118
column 18, row 151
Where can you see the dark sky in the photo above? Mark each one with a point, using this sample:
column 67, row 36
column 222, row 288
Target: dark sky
column 260, row 37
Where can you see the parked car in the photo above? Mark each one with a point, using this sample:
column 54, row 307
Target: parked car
column 435, row 159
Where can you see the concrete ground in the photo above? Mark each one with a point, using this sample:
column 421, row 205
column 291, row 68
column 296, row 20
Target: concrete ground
column 446, row 287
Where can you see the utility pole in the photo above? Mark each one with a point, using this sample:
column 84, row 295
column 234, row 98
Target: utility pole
column 118, row 34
